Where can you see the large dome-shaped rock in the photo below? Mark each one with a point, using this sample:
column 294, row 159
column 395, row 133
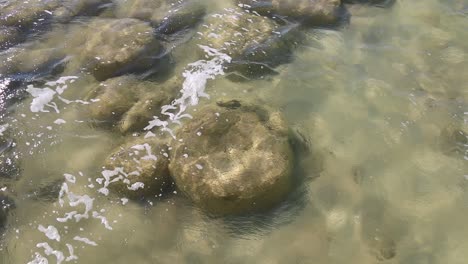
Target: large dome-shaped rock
column 233, row 158
column 127, row 103
column 168, row 16
column 112, row 47
column 139, row 168
column 309, row 12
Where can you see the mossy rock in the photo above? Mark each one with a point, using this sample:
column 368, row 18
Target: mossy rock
column 70, row 8
column 22, row 15
column 145, row 164
column 308, row 12
column 233, row 158
column 256, row 44
column 6, row 204
column 9, row 36
column 168, row 16
column 128, row 104
column 9, row 159
column 114, row 47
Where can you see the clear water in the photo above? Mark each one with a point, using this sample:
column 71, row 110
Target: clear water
column 383, row 101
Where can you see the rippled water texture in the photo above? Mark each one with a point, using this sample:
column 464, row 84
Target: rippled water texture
column 375, row 94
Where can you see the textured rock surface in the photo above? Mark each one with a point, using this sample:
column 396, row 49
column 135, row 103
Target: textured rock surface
column 9, row 36
column 145, row 168
column 234, row 31
column 71, row 8
column 9, row 157
column 256, row 43
column 233, row 158
column 117, row 47
column 6, row 204
column 17, row 13
column 128, row 103
column 169, row 16
column 310, row 12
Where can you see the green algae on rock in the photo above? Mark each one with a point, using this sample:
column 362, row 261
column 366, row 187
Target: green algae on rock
column 143, row 165
column 168, row 16
column 309, row 12
column 128, row 104
column 9, row 158
column 112, row 98
column 70, row 8
column 6, row 204
column 119, row 46
column 256, row 43
column 9, row 36
column 233, row 158
column 19, row 14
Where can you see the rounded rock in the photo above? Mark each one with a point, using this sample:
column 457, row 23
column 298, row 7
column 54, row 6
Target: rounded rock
column 111, row 99
column 168, row 16
column 6, row 204
column 21, row 14
column 118, row 47
column 143, row 168
column 233, row 158
column 128, row 104
column 309, row 12
column 9, row 36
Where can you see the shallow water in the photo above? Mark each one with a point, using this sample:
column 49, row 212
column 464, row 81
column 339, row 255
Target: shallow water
column 382, row 101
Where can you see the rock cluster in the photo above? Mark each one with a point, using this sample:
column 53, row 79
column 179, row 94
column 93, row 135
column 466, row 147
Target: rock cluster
column 231, row 158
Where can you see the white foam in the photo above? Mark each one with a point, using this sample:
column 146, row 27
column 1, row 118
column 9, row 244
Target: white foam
column 196, row 76
column 48, row 250
column 42, row 98
column 3, row 128
column 38, row 259
column 149, row 155
column 136, row 186
column 85, row 240
column 51, row 232
column 110, row 176
column 75, row 200
column 103, row 220
column 71, row 252
column 70, row 178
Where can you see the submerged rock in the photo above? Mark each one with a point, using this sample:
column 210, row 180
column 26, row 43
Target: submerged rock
column 6, row 204
column 9, row 157
column 129, row 104
column 453, row 140
column 144, row 164
column 256, row 44
column 9, row 36
column 168, row 16
column 23, row 14
column 379, row 3
column 112, row 47
column 233, row 158
column 71, row 8
column 112, row 98
column 28, row 61
column 308, row 12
